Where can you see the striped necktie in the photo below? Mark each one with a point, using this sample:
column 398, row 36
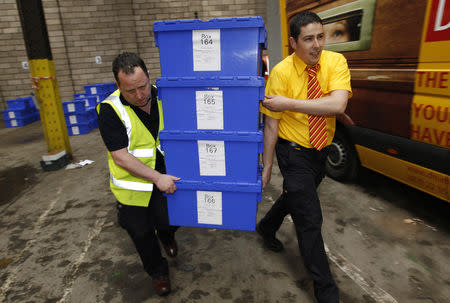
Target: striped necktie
column 317, row 124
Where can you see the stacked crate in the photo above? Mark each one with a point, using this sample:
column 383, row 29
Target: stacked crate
column 80, row 119
column 210, row 89
column 80, row 113
column 20, row 112
column 100, row 91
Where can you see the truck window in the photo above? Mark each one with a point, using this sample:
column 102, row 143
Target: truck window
column 349, row 27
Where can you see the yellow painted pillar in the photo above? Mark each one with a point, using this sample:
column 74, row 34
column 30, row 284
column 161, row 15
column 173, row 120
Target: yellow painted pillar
column 50, row 106
column 284, row 30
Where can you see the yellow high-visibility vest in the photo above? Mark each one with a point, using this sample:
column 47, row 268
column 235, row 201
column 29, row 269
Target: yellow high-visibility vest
column 127, row 188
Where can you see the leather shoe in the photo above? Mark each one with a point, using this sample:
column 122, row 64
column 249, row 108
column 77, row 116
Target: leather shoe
column 270, row 241
column 171, row 248
column 162, row 285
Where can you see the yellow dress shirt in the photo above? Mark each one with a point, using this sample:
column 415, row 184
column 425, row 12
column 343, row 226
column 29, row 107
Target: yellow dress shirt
column 290, row 79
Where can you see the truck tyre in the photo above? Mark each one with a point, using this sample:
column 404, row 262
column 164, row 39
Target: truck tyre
column 342, row 162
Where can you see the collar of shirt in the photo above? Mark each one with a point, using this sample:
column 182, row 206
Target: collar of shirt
column 301, row 66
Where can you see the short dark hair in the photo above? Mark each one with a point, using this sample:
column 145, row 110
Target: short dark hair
column 300, row 20
column 127, row 62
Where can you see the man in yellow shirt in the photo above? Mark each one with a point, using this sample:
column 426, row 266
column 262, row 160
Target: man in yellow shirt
column 304, row 92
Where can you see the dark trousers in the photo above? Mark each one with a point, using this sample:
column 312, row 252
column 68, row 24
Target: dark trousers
column 145, row 225
column 303, row 169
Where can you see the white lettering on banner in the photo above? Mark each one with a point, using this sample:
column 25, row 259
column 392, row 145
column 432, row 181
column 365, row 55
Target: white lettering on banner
column 209, row 207
column 439, row 15
column 211, row 158
column 209, row 109
column 206, row 50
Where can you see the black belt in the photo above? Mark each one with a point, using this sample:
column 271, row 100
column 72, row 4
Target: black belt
column 295, row 145
column 290, row 143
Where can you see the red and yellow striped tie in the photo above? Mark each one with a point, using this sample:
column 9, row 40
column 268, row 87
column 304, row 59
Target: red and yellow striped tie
column 317, row 124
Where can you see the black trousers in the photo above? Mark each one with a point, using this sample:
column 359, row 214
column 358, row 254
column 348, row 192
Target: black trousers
column 303, row 169
column 145, row 225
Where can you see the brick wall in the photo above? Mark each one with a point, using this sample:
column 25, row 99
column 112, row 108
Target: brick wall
column 14, row 80
column 81, row 30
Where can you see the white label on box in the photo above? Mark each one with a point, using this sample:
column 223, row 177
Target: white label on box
column 206, row 50
column 86, row 102
column 12, row 115
column 209, row 109
column 209, row 207
column 93, row 90
column 70, row 107
column 13, row 122
column 211, row 156
column 73, row 119
column 75, row 130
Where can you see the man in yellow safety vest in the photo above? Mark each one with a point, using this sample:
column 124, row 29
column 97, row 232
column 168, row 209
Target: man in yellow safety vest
column 130, row 120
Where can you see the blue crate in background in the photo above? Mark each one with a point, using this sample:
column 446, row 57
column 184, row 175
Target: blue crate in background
column 94, row 89
column 110, row 87
column 223, row 205
column 74, row 106
column 18, row 113
column 101, row 89
column 89, row 100
column 75, row 118
column 94, row 122
column 79, row 95
column 21, row 103
column 220, row 46
column 220, row 103
column 81, row 128
column 18, row 122
column 213, row 156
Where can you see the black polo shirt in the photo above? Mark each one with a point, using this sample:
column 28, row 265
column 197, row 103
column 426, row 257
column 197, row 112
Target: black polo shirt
column 114, row 133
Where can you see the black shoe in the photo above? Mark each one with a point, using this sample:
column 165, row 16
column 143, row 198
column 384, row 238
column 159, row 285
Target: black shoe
column 171, row 248
column 270, row 241
column 162, row 285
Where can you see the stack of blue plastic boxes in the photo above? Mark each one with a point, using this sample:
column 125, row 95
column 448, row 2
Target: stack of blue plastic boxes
column 80, row 113
column 20, row 112
column 210, row 89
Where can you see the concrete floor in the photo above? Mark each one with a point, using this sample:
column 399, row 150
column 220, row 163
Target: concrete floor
column 60, row 242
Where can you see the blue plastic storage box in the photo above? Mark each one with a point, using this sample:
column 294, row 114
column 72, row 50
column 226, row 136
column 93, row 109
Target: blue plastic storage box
column 17, row 113
column 88, row 100
column 81, row 128
column 212, row 156
column 102, row 89
column 222, row 205
column 74, row 106
column 79, row 95
column 225, row 46
column 219, row 103
column 94, row 89
column 75, row 118
column 21, row 103
column 18, row 122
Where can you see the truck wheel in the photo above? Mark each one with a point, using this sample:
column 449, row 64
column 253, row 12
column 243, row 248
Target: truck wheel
column 342, row 162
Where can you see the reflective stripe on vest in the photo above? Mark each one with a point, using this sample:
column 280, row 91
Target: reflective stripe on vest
column 138, row 186
column 141, row 153
column 138, row 153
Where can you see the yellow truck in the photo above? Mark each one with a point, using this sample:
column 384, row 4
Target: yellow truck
column 398, row 121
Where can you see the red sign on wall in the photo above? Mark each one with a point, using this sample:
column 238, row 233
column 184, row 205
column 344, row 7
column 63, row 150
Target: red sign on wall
column 439, row 21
